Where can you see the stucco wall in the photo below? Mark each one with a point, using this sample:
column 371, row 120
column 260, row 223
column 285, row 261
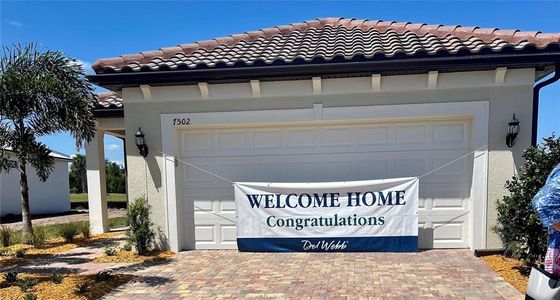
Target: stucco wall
column 512, row 96
column 52, row 196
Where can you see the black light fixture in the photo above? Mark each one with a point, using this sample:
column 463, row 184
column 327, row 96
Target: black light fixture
column 513, row 130
column 140, row 142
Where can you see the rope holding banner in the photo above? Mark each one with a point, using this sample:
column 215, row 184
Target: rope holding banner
column 455, row 160
column 215, row 214
column 459, row 158
column 423, row 175
column 198, row 168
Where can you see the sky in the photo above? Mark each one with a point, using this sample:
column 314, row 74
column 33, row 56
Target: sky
column 88, row 30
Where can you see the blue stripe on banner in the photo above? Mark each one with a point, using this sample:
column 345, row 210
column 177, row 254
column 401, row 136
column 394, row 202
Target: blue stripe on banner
column 330, row 244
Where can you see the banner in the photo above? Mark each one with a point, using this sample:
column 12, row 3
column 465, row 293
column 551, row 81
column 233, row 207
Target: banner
column 372, row 215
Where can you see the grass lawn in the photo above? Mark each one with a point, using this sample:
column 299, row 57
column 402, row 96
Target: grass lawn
column 118, row 222
column 52, row 230
column 76, row 198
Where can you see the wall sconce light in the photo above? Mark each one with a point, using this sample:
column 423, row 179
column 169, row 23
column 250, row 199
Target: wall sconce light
column 513, row 130
column 140, row 142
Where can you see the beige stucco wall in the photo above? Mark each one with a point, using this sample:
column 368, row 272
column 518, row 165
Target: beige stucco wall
column 145, row 177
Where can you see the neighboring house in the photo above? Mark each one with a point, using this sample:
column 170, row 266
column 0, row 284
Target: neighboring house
column 324, row 100
column 51, row 196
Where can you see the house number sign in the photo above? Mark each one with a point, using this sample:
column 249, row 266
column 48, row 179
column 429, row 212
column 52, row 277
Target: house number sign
column 181, row 121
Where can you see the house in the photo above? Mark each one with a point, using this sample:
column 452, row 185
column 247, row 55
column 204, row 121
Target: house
column 330, row 99
column 51, row 196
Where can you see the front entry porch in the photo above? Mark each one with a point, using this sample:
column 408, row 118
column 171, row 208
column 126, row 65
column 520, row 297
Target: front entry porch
column 96, row 179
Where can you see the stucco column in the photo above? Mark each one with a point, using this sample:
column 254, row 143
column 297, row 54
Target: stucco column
column 97, row 186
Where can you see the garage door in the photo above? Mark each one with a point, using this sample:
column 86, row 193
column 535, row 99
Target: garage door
column 339, row 152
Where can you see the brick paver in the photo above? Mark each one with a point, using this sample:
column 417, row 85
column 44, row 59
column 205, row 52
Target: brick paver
column 228, row 274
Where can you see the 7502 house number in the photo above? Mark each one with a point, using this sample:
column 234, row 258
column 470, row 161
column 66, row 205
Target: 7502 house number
column 181, row 121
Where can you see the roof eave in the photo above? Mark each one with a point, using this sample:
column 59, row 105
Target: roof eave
column 100, row 113
column 61, row 156
column 413, row 65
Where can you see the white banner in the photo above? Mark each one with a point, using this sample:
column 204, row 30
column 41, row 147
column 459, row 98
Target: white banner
column 372, row 215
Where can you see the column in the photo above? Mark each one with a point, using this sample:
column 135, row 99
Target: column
column 97, row 185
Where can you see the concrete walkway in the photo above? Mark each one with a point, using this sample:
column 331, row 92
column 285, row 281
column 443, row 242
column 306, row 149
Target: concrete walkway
column 443, row 274
column 64, row 218
column 75, row 261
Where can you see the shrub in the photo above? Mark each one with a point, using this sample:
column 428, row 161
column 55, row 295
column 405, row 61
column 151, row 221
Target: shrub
column 85, row 230
column 30, row 296
column 81, row 288
column 19, row 253
column 102, row 276
column 127, row 246
column 39, row 237
column 141, row 234
column 68, row 231
column 110, row 251
column 28, row 283
column 11, row 277
column 74, row 190
column 56, row 278
column 6, row 235
column 518, row 226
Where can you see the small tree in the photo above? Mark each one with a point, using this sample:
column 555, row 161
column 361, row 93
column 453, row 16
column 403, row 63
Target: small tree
column 41, row 93
column 141, row 234
column 78, row 173
column 115, row 177
column 518, row 226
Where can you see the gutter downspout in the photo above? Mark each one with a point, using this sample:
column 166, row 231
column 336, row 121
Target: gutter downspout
column 536, row 93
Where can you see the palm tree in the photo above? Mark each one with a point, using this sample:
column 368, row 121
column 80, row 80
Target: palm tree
column 41, row 93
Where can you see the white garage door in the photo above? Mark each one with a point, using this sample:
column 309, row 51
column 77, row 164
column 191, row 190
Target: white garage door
column 329, row 153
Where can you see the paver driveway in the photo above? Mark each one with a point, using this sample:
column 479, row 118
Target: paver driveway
column 230, row 274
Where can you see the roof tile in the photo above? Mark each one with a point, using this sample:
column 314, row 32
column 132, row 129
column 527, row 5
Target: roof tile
column 109, row 100
column 414, row 26
column 171, row 50
column 328, row 39
column 133, row 57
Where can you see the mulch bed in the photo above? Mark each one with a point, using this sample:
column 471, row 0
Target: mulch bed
column 511, row 270
column 131, row 257
column 93, row 287
column 67, row 289
column 52, row 247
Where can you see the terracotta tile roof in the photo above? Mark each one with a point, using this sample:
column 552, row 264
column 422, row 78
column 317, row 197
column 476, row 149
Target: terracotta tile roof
column 332, row 40
column 109, row 100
